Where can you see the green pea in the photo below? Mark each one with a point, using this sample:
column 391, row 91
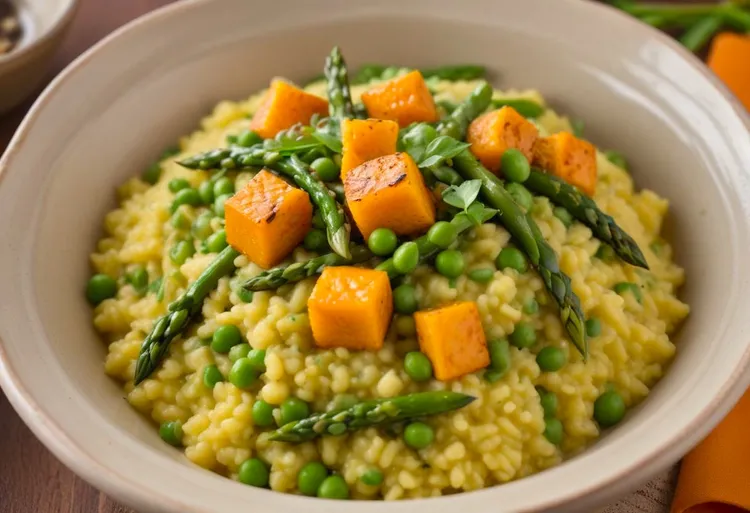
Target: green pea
column 293, row 408
column 216, row 241
column 187, row 196
column 315, row 240
column 512, row 258
column 310, row 477
column 624, row 287
column 326, row 169
column 201, row 229
column 563, row 215
column 343, row 401
column 450, row 263
column 406, row 257
column 417, row 366
column 553, row 431
column 211, row 376
column 382, row 241
column 257, row 359
column 493, row 376
column 551, row 359
column 515, row 166
column 548, row 401
column 246, row 296
column 333, row 487
column 481, row 275
column 442, row 234
column 138, row 278
column 523, row 335
column 317, row 221
column 605, row 253
column 206, row 191
column 242, row 374
column 609, row 409
column 499, row 356
column 177, row 184
column 617, row 159
column 171, row 432
column 593, row 327
column 520, row 194
column 225, row 338
column 181, row 251
column 531, row 307
column 248, row 138
column 418, row 435
column 405, row 299
column 372, row 477
column 239, row 351
column 254, row 472
column 152, row 173
column 100, row 287
column 219, row 204
column 262, row 413
column 223, row 186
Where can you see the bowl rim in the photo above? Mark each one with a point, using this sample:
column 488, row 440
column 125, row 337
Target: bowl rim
column 59, row 25
column 118, row 484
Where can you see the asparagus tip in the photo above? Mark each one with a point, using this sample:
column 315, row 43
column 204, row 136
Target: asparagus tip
column 339, row 242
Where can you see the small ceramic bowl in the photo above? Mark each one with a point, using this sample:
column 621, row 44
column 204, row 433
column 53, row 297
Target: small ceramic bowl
column 112, row 112
column 22, row 70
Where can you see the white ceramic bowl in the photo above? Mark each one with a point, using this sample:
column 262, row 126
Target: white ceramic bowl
column 113, row 110
column 22, row 71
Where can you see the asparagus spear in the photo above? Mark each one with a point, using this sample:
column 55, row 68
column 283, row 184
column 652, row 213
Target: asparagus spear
column 456, row 72
column 458, row 122
column 337, row 228
column 526, row 233
column 181, row 312
column 461, row 222
column 278, row 276
column 586, row 211
column 293, row 167
column 371, row 413
column 339, row 96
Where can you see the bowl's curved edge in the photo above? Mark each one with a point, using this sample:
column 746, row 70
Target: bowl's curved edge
column 117, row 484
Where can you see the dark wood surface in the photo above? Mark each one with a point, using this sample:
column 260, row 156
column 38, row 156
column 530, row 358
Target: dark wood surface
column 31, row 479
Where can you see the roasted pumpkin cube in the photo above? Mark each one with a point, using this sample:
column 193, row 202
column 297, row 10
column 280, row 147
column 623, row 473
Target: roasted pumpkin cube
column 350, row 307
column 405, row 99
column 453, row 339
column 283, row 106
column 366, row 139
column 267, row 219
column 389, row 192
column 568, row 157
column 494, row 132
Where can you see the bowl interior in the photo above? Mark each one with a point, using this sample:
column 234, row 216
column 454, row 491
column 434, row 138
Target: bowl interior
column 637, row 94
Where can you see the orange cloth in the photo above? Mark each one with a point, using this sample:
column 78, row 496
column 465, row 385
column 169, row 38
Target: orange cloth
column 715, row 476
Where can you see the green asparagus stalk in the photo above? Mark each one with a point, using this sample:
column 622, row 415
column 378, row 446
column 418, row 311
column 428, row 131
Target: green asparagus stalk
column 339, row 96
column 337, row 227
column 376, row 412
column 526, row 108
column 293, row 167
column 458, row 122
column 526, row 233
column 587, row 212
column 181, row 312
column 427, row 250
column 278, row 276
column 456, row 72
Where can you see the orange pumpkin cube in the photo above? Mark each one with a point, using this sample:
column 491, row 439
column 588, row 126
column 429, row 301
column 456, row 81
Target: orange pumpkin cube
column 405, row 99
column 267, row 219
column 570, row 158
column 366, row 139
column 283, row 106
column 389, row 192
column 350, row 307
column 453, row 339
column 494, row 132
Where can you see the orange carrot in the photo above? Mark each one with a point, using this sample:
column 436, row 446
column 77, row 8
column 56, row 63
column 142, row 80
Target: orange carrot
column 729, row 58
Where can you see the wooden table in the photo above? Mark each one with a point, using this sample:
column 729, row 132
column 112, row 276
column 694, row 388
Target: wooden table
column 31, row 479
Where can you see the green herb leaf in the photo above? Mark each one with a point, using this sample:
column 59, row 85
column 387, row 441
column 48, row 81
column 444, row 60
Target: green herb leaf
column 462, row 196
column 479, row 214
column 328, row 140
column 442, row 149
column 526, row 108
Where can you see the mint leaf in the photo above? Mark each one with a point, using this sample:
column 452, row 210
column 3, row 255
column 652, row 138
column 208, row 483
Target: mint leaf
column 479, row 214
column 331, row 142
column 462, row 196
column 442, row 149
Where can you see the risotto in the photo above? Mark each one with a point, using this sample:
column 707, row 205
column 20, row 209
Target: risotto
column 478, row 317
